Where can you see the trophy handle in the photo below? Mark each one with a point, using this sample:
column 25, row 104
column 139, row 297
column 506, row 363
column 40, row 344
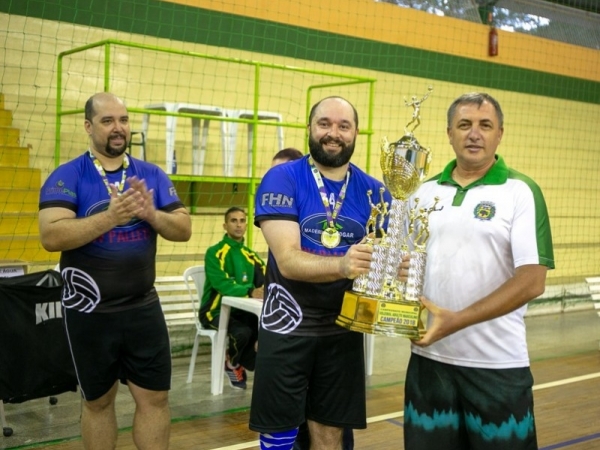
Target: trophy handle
column 427, row 161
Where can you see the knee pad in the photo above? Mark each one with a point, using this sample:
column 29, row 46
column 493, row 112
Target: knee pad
column 282, row 440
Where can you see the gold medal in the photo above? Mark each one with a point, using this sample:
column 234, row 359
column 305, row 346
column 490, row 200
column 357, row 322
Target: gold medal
column 330, row 238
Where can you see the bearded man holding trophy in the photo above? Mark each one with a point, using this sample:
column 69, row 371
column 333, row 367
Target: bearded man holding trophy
column 312, row 213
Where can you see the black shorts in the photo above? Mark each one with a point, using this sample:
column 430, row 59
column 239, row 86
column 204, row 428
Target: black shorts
column 316, row 378
column 464, row 407
column 128, row 345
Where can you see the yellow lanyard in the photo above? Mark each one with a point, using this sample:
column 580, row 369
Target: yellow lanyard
column 102, row 173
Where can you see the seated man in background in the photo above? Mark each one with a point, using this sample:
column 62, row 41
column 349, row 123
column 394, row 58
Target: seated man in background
column 232, row 269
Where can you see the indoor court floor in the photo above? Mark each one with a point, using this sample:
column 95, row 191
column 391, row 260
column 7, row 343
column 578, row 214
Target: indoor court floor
column 564, row 350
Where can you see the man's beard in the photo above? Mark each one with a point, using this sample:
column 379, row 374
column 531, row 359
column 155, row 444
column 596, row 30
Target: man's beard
column 322, row 157
column 116, row 151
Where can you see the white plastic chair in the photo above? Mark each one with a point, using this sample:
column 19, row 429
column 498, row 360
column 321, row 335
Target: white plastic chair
column 195, row 275
column 198, row 145
column 231, row 146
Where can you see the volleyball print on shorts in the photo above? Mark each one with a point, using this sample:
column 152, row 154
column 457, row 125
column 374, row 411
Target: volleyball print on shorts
column 281, row 314
column 80, row 291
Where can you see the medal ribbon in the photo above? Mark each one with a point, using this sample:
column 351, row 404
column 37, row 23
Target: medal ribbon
column 102, row 173
column 331, row 215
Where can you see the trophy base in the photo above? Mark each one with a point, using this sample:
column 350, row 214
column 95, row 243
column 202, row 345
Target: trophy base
column 367, row 314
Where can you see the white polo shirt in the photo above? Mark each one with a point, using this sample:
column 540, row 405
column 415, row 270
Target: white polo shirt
column 481, row 234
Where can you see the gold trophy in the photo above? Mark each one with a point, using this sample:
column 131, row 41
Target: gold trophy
column 379, row 303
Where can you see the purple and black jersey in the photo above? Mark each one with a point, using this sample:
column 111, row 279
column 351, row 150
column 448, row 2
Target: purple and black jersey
column 289, row 192
column 115, row 271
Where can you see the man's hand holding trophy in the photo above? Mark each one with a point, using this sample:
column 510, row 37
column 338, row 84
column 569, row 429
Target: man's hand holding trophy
column 380, row 302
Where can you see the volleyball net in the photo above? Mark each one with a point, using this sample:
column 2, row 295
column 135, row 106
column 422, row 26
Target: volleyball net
column 215, row 89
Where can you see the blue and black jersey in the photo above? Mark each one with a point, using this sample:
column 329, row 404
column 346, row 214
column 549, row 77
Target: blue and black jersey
column 115, row 271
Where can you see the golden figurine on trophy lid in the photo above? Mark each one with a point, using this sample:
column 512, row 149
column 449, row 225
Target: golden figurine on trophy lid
column 379, row 303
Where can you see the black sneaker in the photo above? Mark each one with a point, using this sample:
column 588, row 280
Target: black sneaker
column 237, row 377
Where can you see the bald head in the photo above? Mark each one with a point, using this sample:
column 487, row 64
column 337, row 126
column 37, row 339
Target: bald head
column 333, row 98
column 92, row 104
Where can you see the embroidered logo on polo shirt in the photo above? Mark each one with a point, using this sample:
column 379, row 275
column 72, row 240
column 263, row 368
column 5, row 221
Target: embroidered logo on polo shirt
column 484, row 211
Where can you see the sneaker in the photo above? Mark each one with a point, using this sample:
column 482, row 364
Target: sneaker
column 237, row 377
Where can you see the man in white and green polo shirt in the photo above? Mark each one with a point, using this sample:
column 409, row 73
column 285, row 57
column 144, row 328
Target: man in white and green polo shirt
column 468, row 383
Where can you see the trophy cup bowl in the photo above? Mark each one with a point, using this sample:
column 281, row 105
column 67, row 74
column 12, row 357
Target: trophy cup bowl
column 380, row 303
column 404, row 164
